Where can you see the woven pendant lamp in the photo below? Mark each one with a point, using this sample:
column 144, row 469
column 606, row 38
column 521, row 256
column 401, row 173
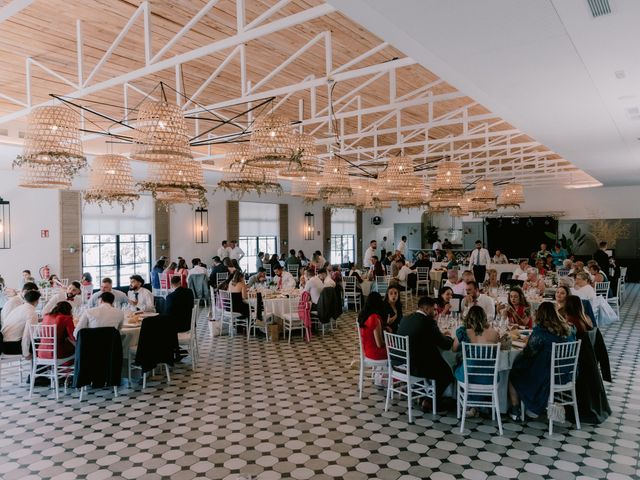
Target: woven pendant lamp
column 178, row 180
column 241, row 178
column 305, row 188
column 52, row 147
column 111, row 181
column 335, row 178
column 304, row 160
column 512, row 195
column 416, row 194
column 44, row 176
column 484, row 191
column 272, row 143
column 161, row 133
column 397, row 170
column 448, row 178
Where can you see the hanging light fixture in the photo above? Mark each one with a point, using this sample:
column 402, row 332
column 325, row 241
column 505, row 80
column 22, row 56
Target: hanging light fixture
column 161, row 133
column 304, row 160
column 5, row 224
column 176, row 181
column 309, row 226
column 512, row 195
column 484, row 191
column 201, row 225
column 52, row 153
column 111, row 181
column 271, row 144
column 448, row 178
column 416, row 194
column 240, row 178
column 334, row 179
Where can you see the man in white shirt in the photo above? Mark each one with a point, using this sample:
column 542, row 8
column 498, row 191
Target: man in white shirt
column 73, row 295
column 223, row 250
column 235, row 252
column 284, row 280
column 500, row 258
column 478, row 261
column 326, row 278
column 196, row 268
column 16, row 300
column 104, row 315
column 454, row 282
column 370, row 252
column 520, row 273
column 436, row 245
column 534, row 282
column 403, row 275
column 15, row 341
column 314, row 285
column 474, row 297
column 107, row 286
column 402, row 246
column 140, row 297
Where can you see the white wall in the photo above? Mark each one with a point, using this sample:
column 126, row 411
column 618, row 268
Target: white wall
column 32, row 210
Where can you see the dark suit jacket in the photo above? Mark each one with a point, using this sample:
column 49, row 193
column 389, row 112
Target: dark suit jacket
column 424, row 263
column 213, row 279
column 98, row 359
column 603, row 260
column 425, row 340
column 178, row 306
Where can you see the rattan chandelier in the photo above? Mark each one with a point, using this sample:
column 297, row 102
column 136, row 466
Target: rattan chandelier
column 512, row 195
column 161, row 133
column 484, row 191
column 178, row 180
column 272, row 143
column 240, row 178
column 111, row 181
column 448, row 178
column 335, row 178
column 52, row 153
column 304, row 160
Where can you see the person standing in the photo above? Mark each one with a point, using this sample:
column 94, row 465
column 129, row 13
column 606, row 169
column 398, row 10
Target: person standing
column 179, row 304
column 235, row 252
column 602, row 257
column 383, row 247
column 371, row 251
column 479, row 260
column 223, row 250
column 436, row 245
column 402, row 246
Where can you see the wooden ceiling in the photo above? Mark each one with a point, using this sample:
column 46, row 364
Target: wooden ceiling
column 232, row 55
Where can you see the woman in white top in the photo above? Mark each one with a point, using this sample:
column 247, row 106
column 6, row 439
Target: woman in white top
column 582, row 288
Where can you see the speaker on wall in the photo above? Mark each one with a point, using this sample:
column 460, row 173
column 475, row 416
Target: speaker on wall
column 376, row 220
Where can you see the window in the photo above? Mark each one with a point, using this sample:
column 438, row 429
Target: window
column 343, row 236
column 342, row 248
column 259, row 227
column 251, row 246
column 116, row 256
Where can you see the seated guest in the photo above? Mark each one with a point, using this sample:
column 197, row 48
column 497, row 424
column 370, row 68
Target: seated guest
column 443, row 305
column 530, row 374
column 258, row 280
column 518, row 310
column 403, row 275
column 239, row 294
column 218, row 267
column 104, row 315
column 562, row 292
column 336, row 274
column 55, row 282
column 284, row 280
column 540, row 266
column 317, row 259
column 304, row 261
column 549, row 266
column 467, row 276
column 26, row 275
column 107, row 286
column 520, row 273
column 425, row 342
column 574, row 314
column 156, row 273
column 456, row 284
column 371, row 328
column 139, row 297
column 491, row 284
column 475, row 329
column 596, row 274
column 559, row 255
column 292, row 260
column 376, row 270
column 197, row 268
column 60, row 316
column 17, row 322
column 392, row 309
column 499, row 258
column 326, row 279
column 353, row 272
column 387, row 260
column 259, row 260
column 273, row 262
column 179, row 304
column 474, row 297
column 534, row 282
column 183, row 271
column 73, row 295
column 16, row 300
column 582, row 288
column 451, row 260
column 171, row 270
column 422, row 262
column 314, row 285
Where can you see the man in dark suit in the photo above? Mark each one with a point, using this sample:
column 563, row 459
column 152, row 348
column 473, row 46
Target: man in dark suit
column 601, row 257
column 425, row 342
column 178, row 305
column 218, row 267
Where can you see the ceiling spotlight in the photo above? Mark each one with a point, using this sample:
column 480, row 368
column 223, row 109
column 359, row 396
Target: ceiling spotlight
column 515, row 220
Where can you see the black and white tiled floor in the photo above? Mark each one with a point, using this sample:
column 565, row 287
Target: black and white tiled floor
column 268, row 411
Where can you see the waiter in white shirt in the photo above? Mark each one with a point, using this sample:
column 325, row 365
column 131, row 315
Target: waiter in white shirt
column 479, row 260
column 436, row 245
column 104, row 315
column 402, row 246
column 223, row 250
column 235, row 252
column 140, row 297
column 370, row 252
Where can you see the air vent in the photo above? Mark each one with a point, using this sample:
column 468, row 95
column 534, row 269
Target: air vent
column 599, row 7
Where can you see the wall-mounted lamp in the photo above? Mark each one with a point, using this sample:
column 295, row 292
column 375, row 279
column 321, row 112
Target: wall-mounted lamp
column 309, row 226
column 5, row 224
column 201, row 225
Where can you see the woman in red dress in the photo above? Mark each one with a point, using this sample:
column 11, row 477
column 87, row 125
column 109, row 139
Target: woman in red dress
column 370, row 322
column 61, row 317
